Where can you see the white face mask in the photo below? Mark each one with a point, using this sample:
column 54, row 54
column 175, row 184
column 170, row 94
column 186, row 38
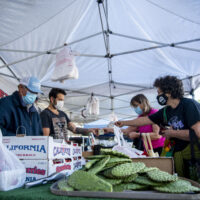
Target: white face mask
column 59, row 105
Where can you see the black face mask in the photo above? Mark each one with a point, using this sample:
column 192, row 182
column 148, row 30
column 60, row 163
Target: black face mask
column 162, row 99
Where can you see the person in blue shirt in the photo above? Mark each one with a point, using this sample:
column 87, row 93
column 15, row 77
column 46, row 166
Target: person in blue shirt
column 17, row 112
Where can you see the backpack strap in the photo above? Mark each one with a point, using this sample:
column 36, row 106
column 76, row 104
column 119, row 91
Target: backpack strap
column 165, row 115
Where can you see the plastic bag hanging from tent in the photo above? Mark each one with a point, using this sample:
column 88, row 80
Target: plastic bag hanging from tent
column 92, row 107
column 65, row 67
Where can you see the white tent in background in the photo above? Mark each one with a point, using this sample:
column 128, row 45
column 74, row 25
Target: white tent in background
column 123, row 45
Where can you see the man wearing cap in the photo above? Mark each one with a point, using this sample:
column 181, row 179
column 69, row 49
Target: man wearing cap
column 17, row 112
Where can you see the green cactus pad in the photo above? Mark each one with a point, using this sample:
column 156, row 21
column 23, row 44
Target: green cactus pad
column 147, row 169
column 63, row 186
column 143, row 180
column 114, row 153
column 115, row 161
column 111, row 181
column 161, row 176
column 130, row 178
column 108, row 173
column 85, row 181
column 118, row 160
column 97, row 167
column 90, row 163
column 109, row 166
column 127, row 169
column 178, row 186
column 128, row 186
column 95, row 157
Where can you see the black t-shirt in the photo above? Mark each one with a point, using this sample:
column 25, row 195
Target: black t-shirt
column 56, row 123
column 185, row 115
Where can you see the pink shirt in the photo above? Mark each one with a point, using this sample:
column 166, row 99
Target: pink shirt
column 148, row 129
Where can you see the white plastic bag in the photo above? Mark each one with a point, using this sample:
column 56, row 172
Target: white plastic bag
column 12, row 171
column 113, row 118
column 65, row 66
column 92, row 107
column 123, row 147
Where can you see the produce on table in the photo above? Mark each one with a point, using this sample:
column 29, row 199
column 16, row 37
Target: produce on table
column 114, row 171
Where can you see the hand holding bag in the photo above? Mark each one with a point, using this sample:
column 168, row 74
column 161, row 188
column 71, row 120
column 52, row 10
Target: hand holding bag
column 123, row 147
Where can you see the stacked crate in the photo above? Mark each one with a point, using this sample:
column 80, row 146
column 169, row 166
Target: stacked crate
column 43, row 155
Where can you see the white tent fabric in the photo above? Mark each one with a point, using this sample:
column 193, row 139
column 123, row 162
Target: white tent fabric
column 124, row 45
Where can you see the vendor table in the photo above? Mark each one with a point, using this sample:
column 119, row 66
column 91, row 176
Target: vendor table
column 41, row 192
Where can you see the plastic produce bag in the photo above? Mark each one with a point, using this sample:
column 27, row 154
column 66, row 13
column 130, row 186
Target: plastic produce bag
column 65, row 66
column 123, row 147
column 113, row 118
column 92, row 107
column 12, row 171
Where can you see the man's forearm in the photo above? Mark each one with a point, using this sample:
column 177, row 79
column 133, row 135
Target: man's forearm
column 82, row 131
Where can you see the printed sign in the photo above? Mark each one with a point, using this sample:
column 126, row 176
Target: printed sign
column 37, row 169
column 38, row 147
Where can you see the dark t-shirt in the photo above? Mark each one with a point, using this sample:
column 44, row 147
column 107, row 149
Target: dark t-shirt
column 56, row 123
column 185, row 115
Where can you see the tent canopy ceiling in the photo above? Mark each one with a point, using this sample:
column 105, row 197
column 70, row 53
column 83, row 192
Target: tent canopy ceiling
column 123, row 47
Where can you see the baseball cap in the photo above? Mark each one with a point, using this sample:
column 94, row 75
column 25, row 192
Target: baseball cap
column 32, row 83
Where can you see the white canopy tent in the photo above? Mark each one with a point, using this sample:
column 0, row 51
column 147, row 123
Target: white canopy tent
column 123, row 46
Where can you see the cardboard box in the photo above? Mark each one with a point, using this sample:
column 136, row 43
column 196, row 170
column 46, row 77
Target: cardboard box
column 43, row 155
column 163, row 163
column 38, row 147
column 76, row 150
column 77, row 163
column 37, row 169
column 87, row 153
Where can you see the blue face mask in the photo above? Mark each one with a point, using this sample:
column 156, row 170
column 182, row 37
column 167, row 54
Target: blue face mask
column 138, row 110
column 29, row 98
